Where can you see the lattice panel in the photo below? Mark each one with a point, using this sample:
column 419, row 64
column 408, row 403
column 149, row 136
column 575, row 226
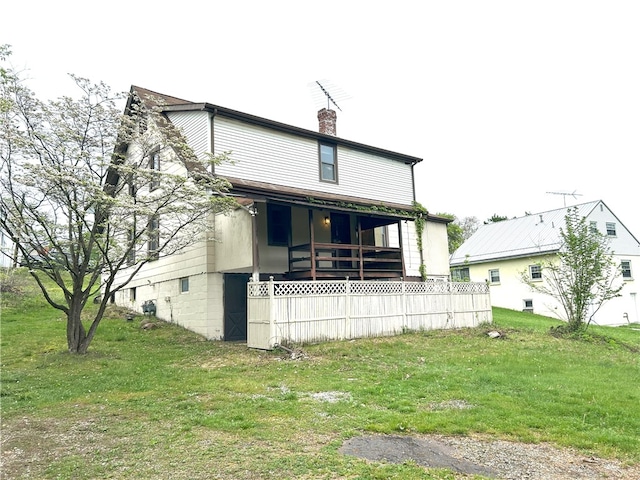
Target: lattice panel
column 468, row 287
column 259, row 289
column 375, row 288
column 282, row 289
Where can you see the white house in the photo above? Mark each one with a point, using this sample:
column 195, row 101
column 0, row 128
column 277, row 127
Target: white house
column 7, row 251
column 499, row 252
column 311, row 206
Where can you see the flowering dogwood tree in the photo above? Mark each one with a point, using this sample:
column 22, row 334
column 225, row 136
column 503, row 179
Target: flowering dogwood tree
column 83, row 196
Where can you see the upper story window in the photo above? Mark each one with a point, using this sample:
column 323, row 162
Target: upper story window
column 611, row 229
column 327, row 153
column 154, row 164
column 593, row 227
column 494, row 275
column 153, row 232
column 535, row 272
column 625, row 266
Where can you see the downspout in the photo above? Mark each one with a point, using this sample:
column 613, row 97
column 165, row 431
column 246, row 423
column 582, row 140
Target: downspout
column 413, row 181
column 212, row 138
column 419, row 231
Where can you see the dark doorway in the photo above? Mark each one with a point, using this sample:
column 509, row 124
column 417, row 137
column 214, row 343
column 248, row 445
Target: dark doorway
column 341, row 233
column 235, row 306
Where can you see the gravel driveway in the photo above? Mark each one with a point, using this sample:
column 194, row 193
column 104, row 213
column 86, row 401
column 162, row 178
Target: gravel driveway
column 492, row 458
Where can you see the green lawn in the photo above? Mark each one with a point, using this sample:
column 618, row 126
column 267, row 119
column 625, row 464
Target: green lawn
column 164, row 403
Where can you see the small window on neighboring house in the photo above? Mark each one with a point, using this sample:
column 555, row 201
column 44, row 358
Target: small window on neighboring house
column 153, row 230
column 593, row 227
column 184, row 285
column 494, row 275
column 460, row 274
column 154, row 164
column 527, row 305
column 611, row 229
column 625, row 266
column 535, row 272
column 328, row 162
column 278, row 224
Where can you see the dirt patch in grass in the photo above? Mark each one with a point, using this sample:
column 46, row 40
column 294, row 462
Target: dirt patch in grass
column 491, row 458
column 29, row 446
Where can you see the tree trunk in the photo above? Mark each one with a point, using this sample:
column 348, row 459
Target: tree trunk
column 76, row 333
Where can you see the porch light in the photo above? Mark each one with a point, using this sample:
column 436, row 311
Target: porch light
column 327, row 221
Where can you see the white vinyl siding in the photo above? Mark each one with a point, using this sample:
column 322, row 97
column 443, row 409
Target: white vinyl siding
column 269, row 156
column 195, row 127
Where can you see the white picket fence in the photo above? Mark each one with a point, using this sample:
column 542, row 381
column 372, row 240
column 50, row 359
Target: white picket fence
column 281, row 313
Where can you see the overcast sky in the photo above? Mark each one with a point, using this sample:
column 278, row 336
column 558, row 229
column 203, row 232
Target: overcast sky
column 504, row 100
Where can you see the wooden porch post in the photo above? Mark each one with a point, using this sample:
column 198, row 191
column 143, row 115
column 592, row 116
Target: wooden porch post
column 404, row 273
column 255, row 275
column 361, row 259
column 312, row 241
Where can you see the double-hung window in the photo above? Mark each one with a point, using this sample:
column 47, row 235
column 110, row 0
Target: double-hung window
column 154, row 164
column 611, row 229
column 535, row 272
column 494, row 275
column 327, row 153
column 625, row 266
column 153, row 230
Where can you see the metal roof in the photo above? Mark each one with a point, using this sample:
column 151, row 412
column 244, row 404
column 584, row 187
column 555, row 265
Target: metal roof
column 523, row 236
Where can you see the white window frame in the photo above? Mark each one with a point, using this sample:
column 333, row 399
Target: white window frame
column 492, row 272
column 611, row 229
column 535, row 270
column 184, row 285
column 628, row 269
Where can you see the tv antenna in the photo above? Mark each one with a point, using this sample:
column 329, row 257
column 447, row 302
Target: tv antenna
column 565, row 195
column 320, row 91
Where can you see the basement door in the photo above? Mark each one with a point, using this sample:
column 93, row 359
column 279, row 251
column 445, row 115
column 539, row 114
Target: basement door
column 235, row 306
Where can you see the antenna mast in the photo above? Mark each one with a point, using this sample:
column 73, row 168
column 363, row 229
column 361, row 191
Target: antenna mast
column 565, row 195
column 329, row 98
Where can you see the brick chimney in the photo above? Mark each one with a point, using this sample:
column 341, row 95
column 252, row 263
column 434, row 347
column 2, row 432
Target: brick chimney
column 327, row 119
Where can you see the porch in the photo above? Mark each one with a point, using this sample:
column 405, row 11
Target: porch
column 312, row 261
column 302, row 312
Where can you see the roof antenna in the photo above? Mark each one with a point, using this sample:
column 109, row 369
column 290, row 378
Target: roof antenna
column 565, row 195
column 320, row 91
column 328, row 96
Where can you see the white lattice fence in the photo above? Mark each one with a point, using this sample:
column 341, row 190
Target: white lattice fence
column 307, row 312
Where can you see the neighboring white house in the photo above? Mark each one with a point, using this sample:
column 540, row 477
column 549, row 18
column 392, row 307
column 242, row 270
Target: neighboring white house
column 312, row 206
column 499, row 252
column 7, row 251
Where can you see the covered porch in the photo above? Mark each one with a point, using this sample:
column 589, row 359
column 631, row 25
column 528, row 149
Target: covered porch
column 345, row 244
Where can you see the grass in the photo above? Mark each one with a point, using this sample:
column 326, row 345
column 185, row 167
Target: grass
column 164, row 403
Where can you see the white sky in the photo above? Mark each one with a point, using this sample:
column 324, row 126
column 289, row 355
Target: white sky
column 504, row 100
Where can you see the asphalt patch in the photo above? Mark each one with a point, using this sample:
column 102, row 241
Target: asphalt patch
column 426, row 452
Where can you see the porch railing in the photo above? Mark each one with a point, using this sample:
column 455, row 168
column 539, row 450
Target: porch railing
column 312, row 311
column 319, row 260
